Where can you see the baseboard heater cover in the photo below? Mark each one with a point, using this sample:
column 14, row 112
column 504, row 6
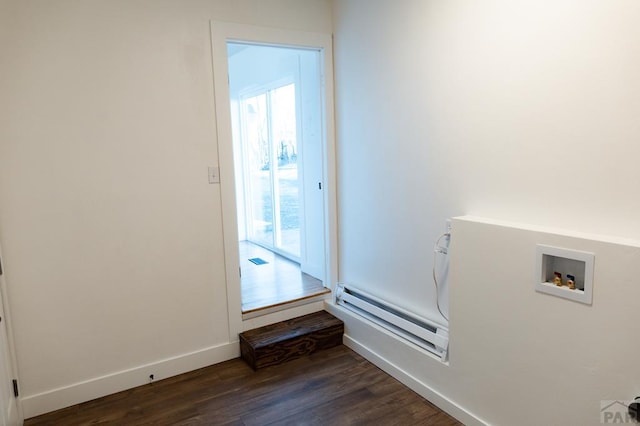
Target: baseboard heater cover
column 419, row 331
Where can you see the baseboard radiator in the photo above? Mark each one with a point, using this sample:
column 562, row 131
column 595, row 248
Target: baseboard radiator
column 419, row 331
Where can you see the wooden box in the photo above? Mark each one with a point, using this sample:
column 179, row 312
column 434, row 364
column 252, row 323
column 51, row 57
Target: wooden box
column 277, row 343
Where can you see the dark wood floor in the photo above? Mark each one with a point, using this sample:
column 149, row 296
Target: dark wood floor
column 331, row 387
column 275, row 283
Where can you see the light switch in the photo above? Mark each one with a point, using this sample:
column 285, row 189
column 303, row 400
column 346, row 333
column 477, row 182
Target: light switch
column 214, row 174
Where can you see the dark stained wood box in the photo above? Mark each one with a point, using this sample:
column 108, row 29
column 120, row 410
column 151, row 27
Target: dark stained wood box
column 277, row 343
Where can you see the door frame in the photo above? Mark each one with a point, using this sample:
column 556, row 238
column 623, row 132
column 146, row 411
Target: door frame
column 13, row 413
column 221, row 33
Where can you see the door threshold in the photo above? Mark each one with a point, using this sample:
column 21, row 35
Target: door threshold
column 281, row 306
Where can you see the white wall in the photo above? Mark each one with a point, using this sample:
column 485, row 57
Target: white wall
column 533, row 349
column 517, row 356
column 523, row 111
column 112, row 236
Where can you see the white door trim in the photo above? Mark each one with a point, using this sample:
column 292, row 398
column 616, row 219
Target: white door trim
column 13, row 413
column 221, row 33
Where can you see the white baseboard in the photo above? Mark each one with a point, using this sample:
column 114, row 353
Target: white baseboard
column 417, row 386
column 356, row 324
column 34, row 405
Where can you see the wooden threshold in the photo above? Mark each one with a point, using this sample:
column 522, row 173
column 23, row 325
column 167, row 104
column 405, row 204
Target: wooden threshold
column 319, row 295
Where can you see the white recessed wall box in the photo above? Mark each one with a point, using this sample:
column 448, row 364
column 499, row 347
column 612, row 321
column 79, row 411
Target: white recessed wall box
column 564, row 273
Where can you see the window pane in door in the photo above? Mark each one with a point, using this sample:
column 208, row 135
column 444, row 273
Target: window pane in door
column 285, row 169
column 258, row 163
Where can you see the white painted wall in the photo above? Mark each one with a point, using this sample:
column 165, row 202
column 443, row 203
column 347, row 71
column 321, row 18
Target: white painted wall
column 517, row 356
column 533, row 349
column 522, row 110
column 111, row 231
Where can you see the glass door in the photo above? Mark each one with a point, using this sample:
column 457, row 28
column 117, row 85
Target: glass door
column 270, row 169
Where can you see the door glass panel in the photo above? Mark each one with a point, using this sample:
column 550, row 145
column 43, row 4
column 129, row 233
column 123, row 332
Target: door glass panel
column 285, row 170
column 258, row 192
column 271, row 169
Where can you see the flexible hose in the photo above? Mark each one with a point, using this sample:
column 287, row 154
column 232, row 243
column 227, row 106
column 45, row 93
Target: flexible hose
column 437, row 249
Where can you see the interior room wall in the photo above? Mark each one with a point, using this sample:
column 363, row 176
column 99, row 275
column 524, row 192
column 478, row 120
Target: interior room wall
column 521, row 111
column 518, row 356
column 534, row 349
column 518, row 111
column 111, row 234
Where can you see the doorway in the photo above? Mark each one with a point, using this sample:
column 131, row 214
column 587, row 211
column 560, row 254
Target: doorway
column 275, row 96
column 316, row 179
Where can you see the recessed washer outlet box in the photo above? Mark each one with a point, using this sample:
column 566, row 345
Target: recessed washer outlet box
column 567, row 263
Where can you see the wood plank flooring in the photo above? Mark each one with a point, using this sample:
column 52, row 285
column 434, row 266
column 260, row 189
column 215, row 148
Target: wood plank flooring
column 275, row 283
column 331, row 387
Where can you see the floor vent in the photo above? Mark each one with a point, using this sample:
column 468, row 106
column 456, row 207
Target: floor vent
column 419, row 331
